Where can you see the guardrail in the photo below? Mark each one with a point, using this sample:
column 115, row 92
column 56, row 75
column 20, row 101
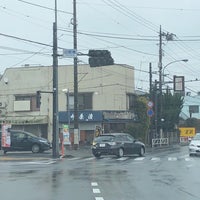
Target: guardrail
column 160, row 141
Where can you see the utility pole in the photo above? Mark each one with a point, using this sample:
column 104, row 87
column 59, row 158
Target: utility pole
column 156, row 108
column 55, row 144
column 150, row 98
column 160, row 69
column 160, row 78
column 76, row 124
column 150, row 80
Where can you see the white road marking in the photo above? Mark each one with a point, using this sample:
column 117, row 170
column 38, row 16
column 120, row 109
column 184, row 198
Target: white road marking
column 155, row 159
column 40, row 162
column 94, row 184
column 92, row 158
column 172, row 159
column 140, row 158
column 105, row 159
column 188, row 159
column 96, row 191
column 75, row 158
column 122, row 158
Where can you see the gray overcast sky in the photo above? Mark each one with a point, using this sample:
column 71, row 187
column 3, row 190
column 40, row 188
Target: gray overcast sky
column 128, row 28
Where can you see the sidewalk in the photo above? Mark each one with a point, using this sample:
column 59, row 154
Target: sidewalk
column 82, row 151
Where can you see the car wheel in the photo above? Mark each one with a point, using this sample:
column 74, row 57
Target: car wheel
column 120, row 152
column 142, row 151
column 97, row 155
column 35, row 148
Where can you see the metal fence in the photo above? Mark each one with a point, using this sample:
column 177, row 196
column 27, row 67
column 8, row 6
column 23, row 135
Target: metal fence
column 160, row 142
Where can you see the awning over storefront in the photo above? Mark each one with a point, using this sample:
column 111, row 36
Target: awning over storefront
column 98, row 116
column 21, row 120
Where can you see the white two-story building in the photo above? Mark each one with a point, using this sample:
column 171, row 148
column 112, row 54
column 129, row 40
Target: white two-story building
column 105, row 98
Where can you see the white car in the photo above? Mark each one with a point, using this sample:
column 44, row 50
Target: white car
column 194, row 146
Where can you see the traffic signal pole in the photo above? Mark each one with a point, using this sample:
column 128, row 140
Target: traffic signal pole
column 55, row 143
column 76, row 124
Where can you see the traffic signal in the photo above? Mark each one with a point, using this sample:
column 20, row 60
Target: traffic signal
column 100, row 58
column 38, row 99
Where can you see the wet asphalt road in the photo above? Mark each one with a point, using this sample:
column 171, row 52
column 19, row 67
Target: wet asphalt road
column 168, row 174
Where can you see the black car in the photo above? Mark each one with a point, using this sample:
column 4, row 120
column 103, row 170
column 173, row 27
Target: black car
column 25, row 141
column 118, row 144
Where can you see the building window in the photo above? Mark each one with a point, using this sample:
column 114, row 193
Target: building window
column 131, row 101
column 31, row 99
column 84, row 101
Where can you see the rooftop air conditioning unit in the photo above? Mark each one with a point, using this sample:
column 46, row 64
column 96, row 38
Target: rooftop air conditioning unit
column 2, row 104
column 2, row 112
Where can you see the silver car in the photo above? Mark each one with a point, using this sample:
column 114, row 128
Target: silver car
column 194, row 146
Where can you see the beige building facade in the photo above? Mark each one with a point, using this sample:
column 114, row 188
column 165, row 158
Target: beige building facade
column 107, row 92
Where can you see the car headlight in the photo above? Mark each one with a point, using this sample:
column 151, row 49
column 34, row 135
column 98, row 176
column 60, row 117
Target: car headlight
column 94, row 143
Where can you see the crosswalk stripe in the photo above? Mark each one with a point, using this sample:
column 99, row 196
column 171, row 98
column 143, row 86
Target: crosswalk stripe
column 172, row 159
column 188, row 159
column 133, row 158
column 75, row 158
column 122, row 158
column 155, row 159
column 140, row 158
column 91, row 158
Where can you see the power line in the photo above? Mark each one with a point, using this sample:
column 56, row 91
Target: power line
column 130, row 14
column 44, row 7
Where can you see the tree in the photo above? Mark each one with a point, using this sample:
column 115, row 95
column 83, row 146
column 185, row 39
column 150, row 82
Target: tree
column 172, row 106
column 139, row 129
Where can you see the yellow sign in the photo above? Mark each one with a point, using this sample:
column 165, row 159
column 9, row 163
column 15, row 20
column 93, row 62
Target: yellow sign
column 187, row 132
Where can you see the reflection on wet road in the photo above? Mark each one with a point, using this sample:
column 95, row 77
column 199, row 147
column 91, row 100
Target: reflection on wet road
column 169, row 175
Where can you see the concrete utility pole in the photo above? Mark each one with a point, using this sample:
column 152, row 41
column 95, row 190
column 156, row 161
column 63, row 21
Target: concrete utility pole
column 55, row 144
column 168, row 37
column 160, row 72
column 76, row 124
column 150, row 80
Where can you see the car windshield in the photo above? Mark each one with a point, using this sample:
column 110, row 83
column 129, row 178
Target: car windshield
column 30, row 134
column 105, row 138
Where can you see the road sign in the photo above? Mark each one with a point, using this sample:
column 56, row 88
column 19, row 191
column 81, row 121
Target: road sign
column 150, row 104
column 150, row 112
column 187, row 131
column 69, row 53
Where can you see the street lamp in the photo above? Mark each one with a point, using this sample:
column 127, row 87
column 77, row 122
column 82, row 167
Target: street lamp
column 161, row 84
column 183, row 60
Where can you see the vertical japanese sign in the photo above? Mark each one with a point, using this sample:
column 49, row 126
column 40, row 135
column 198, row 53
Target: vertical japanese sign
column 66, row 135
column 5, row 136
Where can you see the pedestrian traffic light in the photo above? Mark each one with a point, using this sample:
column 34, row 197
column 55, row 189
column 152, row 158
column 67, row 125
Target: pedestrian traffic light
column 38, row 99
column 100, row 58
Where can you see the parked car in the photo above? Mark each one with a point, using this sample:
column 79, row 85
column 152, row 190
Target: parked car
column 194, row 145
column 118, row 144
column 25, row 141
